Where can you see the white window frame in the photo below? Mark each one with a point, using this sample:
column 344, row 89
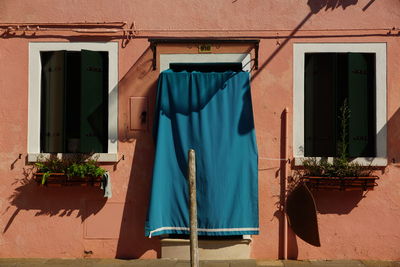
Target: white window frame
column 244, row 58
column 34, row 95
column 379, row 49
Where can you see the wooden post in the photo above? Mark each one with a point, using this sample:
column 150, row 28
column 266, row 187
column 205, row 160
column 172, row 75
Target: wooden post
column 283, row 223
column 194, row 254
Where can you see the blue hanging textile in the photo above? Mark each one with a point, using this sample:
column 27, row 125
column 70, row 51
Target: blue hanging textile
column 211, row 113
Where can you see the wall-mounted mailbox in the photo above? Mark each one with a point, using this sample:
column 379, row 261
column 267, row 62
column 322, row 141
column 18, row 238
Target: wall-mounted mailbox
column 139, row 113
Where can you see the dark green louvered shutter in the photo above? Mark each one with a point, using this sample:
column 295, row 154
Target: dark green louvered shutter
column 94, row 102
column 361, row 104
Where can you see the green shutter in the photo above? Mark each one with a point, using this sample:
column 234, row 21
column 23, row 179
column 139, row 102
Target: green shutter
column 360, row 95
column 93, row 102
column 53, row 101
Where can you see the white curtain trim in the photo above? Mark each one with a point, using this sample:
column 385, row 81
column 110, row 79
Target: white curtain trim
column 204, row 230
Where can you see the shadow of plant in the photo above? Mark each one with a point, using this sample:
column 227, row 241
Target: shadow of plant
column 52, row 201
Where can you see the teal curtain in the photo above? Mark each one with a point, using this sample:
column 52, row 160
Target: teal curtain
column 210, row 112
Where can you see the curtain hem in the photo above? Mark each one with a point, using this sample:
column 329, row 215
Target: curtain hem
column 203, row 231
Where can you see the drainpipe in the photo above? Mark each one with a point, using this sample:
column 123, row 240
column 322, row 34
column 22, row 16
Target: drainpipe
column 284, row 171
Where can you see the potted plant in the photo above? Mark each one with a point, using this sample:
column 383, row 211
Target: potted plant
column 78, row 169
column 341, row 173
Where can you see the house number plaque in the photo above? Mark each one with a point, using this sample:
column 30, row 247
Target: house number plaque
column 205, row 48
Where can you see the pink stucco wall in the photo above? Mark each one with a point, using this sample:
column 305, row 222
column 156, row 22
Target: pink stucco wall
column 66, row 222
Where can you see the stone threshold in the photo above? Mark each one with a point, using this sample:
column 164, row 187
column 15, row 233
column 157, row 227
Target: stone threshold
column 231, row 249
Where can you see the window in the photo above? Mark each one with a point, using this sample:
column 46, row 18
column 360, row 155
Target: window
column 74, row 102
column 335, row 82
column 329, row 77
column 73, row 99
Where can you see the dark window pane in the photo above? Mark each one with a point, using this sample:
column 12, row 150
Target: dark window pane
column 330, row 80
column 74, row 102
column 52, row 99
column 73, row 107
column 320, row 111
column 206, row 67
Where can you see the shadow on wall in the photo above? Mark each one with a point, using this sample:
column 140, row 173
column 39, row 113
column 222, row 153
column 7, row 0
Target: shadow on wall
column 132, row 242
column 54, row 201
column 318, row 5
column 315, row 7
column 337, row 202
column 393, row 137
column 140, row 80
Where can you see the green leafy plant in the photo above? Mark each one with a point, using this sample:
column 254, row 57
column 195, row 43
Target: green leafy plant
column 343, row 144
column 50, row 164
column 89, row 168
column 337, row 168
column 341, row 165
column 45, row 176
column 77, row 165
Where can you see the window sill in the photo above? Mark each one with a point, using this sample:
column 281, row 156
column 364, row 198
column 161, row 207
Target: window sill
column 100, row 157
column 375, row 162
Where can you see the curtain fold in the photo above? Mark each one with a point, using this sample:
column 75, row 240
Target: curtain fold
column 212, row 113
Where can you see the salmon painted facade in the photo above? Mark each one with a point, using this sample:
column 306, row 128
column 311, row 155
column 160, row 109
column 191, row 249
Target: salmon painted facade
column 304, row 58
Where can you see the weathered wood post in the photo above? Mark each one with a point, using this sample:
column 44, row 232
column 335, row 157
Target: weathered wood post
column 194, row 254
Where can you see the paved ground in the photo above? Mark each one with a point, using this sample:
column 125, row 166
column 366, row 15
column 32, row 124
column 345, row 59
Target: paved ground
column 180, row 263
